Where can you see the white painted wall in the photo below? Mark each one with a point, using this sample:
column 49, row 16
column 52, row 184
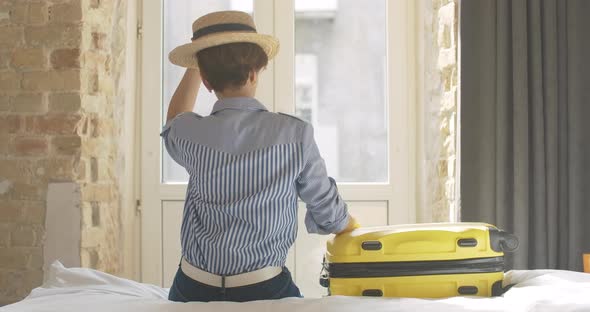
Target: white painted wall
column 62, row 225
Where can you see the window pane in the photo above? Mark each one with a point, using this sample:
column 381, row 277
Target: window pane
column 340, row 84
column 179, row 16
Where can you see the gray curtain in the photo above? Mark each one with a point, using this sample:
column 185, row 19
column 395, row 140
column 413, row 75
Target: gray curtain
column 525, row 125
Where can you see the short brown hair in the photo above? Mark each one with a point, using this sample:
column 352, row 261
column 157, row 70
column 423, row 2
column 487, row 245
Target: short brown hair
column 229, row 65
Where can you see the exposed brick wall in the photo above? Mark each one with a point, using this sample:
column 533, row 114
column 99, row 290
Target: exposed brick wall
column 60, row 66
column 440, row 110
column 102, row 60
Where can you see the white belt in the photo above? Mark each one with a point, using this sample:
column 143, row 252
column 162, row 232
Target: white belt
column 239, row 280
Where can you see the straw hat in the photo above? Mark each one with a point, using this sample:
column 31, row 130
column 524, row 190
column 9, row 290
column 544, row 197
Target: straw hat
column 221, row 28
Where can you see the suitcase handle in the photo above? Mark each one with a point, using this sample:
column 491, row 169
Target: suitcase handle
column 372, row 293
column 371, row 245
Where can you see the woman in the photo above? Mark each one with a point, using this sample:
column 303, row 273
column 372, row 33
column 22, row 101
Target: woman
column 247, row 168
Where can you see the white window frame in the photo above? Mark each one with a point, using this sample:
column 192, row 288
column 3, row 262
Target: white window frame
column 399, row 193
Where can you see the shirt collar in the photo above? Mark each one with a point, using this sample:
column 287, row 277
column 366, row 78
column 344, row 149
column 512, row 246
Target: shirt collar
column 239, row 103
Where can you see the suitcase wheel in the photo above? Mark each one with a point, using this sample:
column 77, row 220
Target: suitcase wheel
column 324, row 281
column 502, row 241
column 497, row 289
column 510, row 242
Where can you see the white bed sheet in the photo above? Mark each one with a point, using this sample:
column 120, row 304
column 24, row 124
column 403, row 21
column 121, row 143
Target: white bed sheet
column 86, row 290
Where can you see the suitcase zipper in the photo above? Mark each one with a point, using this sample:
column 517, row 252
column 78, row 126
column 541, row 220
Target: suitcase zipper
column 415, row 268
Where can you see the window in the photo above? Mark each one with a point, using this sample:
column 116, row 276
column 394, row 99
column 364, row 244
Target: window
column 346, row 106
column 340, row 77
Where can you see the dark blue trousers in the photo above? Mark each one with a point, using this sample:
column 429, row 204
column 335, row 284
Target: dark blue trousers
column 185, row 289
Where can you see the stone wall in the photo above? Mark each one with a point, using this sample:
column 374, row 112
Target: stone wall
column 61, row 112
column 439, row 127
column 102, row 61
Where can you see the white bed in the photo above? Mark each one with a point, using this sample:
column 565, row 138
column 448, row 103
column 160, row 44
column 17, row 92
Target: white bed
column 88, row 290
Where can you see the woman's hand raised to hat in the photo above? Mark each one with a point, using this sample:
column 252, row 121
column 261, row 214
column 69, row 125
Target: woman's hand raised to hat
column 185, row 96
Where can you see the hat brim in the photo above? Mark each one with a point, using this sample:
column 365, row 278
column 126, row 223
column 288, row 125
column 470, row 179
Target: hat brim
column 185, row 55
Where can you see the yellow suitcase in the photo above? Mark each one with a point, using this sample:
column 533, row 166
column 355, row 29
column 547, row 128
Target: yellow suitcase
column 420, row 261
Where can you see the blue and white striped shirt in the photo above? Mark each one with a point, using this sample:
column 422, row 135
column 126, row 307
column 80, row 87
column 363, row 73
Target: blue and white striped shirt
column 247, row 167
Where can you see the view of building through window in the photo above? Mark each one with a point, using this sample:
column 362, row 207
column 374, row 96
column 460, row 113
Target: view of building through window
column 340, row 79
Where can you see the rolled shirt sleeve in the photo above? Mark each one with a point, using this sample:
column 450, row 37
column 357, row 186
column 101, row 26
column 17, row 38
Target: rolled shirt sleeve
column 326, row 212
